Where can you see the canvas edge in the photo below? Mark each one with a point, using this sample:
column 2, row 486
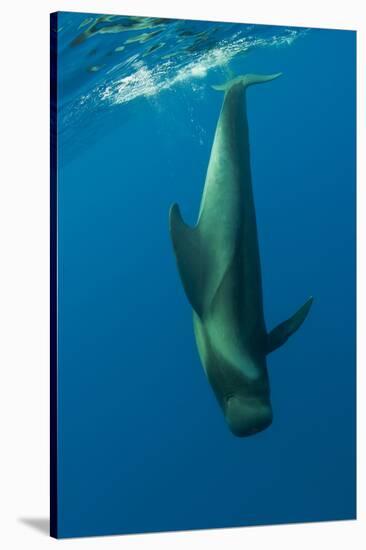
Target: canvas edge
column 53, row 278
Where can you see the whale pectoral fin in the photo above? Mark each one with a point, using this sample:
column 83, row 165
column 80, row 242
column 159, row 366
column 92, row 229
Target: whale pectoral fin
column 280, row 334
column 187, row 251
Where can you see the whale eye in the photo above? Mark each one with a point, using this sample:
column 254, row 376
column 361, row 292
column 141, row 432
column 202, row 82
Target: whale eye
column 229, row 396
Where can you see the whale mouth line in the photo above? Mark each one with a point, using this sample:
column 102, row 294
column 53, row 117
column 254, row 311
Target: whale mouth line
column 253, row 400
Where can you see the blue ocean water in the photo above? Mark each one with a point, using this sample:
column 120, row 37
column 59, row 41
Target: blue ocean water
column 142, row 443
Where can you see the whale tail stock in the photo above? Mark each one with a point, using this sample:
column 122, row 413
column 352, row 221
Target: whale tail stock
column 246, row 80
column 280, row 334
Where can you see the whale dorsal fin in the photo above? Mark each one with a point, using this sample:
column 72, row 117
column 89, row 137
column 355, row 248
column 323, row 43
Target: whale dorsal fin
column 186, row 243
column 280, row 334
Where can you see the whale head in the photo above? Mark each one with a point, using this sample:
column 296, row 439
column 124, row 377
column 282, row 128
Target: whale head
column 247, row 416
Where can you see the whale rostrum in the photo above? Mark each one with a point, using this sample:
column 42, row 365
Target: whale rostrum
column 219, row 265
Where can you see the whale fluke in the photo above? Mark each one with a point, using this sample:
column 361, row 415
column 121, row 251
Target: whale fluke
column 246, row 80
column 280, row 334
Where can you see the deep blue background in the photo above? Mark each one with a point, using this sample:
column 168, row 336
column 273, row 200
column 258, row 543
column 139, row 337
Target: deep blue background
column 143, row 445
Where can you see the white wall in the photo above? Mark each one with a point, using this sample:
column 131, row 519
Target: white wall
column 24, row 126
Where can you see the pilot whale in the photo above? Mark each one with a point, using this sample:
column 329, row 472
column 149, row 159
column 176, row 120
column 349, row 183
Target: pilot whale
column 219, row 265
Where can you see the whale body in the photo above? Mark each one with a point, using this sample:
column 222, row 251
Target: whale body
column 219, row 265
